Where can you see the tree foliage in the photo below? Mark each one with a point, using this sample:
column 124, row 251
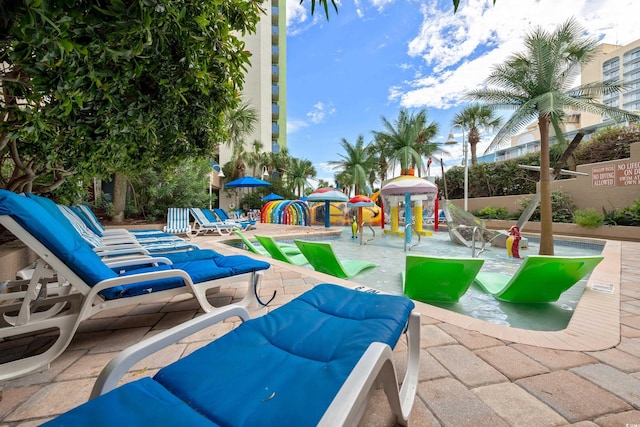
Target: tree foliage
column 94, row 87
column 540, row 84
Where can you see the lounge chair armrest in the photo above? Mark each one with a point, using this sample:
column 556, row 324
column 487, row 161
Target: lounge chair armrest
column 125, row 245
column 108, row 252
column 118, row 366
column 119, row 239
column 138, row 261
column 136, row 278
column 376, row 364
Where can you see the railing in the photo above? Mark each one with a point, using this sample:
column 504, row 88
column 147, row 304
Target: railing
column 473, row 242
column 410, row 227
column 373, row 232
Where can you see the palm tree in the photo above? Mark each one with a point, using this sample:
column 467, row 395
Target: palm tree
column 298, row 172
column 381, row 152
column 409, row 139
column 539, row 84
column 473, row 117
column 357, row 162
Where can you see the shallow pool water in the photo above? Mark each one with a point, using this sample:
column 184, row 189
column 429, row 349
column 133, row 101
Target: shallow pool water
column 387, row 251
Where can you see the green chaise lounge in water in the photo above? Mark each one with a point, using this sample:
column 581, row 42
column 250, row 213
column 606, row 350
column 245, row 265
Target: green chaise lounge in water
column 540, row 278
column 276, row 252
column 286, row 247
column 323, row 259
column 428, row 278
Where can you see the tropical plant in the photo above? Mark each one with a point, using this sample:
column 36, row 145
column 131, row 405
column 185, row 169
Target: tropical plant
column 96, row 88
column 539, row 84
column 473, row 118
column 588, row 218
column 298, row 173
column 409, row 139
column 357, row 162
column 382, row 152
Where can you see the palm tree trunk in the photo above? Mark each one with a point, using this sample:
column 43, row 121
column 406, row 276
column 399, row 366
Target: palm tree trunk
column 546, row 218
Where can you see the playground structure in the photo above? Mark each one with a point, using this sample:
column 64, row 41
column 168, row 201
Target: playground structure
column 416, row 196
column 341, row 215
column 289, row 212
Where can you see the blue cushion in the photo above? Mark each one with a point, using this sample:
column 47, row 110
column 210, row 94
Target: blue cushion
column 194, row 255
column 286, row 367
column 240, row 264
column 64, row 243
column 140, row 403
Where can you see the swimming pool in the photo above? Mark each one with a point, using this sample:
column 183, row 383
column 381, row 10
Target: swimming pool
column 387, row 251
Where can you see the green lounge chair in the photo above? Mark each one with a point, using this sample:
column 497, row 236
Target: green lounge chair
column 287, row 248
column 540, row 278
column 271, row 246
column 438, row 279
column 323, row 259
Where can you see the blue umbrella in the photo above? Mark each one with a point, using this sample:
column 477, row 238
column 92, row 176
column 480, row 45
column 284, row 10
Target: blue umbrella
column 247, row 181
column 272, row 196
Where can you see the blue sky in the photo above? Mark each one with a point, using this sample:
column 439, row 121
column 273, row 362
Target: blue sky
column 375, row 57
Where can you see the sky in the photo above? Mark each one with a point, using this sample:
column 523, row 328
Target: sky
column 375, row 57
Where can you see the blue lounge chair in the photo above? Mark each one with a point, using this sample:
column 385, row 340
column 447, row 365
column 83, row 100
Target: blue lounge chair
column 540, row 278
column 312, row 362
column 118, row 245
column 90, row 286
column 202, row 224
column 224, row 217
column 92, row 221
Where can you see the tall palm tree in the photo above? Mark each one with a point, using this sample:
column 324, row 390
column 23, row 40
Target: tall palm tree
column 240, row 122
column 409, row 138
column 472, row 118
column 298, row 173
column 357, row 162
column 539, row 84
column 382, row 152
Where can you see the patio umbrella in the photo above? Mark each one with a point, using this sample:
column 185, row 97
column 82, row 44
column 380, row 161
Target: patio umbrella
column 327, row 195
column 359, row 202
column 272, row 196
column 247, row 181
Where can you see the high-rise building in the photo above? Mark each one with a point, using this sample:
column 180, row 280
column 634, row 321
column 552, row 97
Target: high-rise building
column 265, row 88
column 615, row 63
column 611, row 62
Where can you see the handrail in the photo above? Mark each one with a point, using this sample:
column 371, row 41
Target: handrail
column 364, row 242
column 405, row 240
column 473, row 242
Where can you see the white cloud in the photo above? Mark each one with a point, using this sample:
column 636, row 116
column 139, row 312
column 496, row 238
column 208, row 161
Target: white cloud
column 295, row 125
column 459, row 50
column 320, row 112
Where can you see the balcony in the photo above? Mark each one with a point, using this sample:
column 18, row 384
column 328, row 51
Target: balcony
column 275, row 111
column 275, row 130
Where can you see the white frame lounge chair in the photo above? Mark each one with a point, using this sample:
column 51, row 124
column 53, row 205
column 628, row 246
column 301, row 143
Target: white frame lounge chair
column 86, row 285
column 313, row 361
column 202, row 225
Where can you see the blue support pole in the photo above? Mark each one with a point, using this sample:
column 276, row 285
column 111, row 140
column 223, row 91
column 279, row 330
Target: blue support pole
column 327, row 213
column 407, row 217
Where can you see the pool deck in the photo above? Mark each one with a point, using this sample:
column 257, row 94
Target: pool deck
column 472, row 372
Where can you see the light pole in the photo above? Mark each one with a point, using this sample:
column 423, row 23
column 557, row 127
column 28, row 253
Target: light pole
column 215, row 167
column 450, row 141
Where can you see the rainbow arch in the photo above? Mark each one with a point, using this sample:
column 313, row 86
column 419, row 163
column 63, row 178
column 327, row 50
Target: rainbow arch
column 289, row 212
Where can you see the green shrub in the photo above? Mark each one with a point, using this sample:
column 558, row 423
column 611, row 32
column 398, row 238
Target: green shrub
column 562, row 207
column 629, row 215
column 491, row 212
column 588, row 218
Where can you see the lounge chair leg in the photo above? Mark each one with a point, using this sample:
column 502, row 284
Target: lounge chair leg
column 251, row 298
